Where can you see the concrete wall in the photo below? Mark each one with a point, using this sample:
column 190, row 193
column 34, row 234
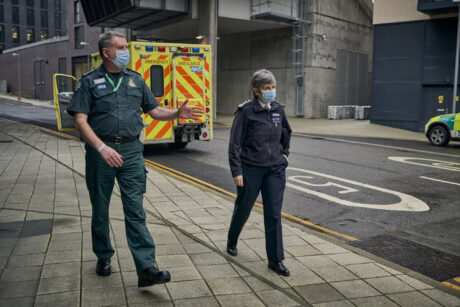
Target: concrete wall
column 347, row 26
column 344, row 22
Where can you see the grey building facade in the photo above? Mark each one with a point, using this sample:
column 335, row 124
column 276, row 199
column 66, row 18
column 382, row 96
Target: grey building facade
column 28, row 21
column 414, row 61
column 66, row 51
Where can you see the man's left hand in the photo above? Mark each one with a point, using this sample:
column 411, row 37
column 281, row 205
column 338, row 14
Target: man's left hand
column 187, row 112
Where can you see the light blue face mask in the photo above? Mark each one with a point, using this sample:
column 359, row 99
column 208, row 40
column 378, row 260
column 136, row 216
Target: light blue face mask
column 268, row 95
column 122, row 58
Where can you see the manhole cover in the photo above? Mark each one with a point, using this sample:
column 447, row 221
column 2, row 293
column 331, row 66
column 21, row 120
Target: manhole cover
column 433, row 263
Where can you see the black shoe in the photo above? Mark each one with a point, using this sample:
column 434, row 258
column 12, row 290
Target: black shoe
column 278, row 267
column 103, row 267
column 152, row 276
column 232, row 250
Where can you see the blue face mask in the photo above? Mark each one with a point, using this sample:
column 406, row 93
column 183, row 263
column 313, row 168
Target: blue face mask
column 122, row 58
column 268, row 95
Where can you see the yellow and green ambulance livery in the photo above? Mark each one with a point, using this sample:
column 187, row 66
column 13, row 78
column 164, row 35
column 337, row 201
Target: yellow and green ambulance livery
column 443, row 128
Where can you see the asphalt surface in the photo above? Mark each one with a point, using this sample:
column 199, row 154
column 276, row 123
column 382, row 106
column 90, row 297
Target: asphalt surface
column 359, row 187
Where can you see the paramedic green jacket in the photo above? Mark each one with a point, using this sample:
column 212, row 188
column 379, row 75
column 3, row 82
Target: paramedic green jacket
column 113, row 103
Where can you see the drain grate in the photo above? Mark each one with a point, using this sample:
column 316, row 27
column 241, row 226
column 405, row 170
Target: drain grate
column 433, row 263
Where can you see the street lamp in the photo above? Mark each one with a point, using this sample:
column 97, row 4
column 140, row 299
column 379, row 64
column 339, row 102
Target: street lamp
column 86, row 44
column 457, row 50
column 19, row 77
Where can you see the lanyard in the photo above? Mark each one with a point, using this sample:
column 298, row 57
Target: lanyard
column 115, row 88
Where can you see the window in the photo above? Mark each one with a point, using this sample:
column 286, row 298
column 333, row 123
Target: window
column 30, row 36
column 57, row 21
column 2, row 34
column 57, row 5
column 15, row 35
column 156, row 80
column 30, row 3
column 44, row 19
column 44, row 4
column 62, row 65
column 44, row 34
column 77, row 16
column 1, row 13
column 15, row 14
column 79, row 37
column 57, row 34
column 30, row 17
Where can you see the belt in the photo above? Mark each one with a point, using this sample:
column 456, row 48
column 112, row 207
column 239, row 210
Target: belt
column 118, row 139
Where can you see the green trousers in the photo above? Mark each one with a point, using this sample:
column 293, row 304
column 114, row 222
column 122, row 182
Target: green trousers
column 131, row 177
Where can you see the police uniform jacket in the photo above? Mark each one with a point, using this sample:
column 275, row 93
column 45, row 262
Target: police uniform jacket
column 113, row 111
column 258, row 136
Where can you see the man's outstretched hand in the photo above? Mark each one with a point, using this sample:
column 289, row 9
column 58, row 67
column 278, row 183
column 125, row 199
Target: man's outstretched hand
column 187, row 112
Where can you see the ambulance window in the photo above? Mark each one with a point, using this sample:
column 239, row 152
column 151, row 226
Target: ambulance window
column 157, row 80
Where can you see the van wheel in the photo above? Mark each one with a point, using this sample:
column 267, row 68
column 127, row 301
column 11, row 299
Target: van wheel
column 438, row 136
column 177, row 145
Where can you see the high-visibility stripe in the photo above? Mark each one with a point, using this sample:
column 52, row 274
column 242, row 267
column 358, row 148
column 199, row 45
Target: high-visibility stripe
column 163, row 130
column 190, row 80
column 184, row 91
column 138, row 65
column 152, row 126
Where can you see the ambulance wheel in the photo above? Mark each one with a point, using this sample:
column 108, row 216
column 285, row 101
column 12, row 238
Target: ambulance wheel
column 438, row 136
column 177, row 145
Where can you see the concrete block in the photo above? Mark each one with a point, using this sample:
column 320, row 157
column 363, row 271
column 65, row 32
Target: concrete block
column 3, row 86
column 362, row 112
column 341, row 112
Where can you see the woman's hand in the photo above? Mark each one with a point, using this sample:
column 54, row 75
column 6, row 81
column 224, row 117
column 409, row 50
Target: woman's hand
column 285, row 157
column 238, row 180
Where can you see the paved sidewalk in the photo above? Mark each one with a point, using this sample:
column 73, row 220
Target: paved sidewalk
column 46, row 257
column 342, row 127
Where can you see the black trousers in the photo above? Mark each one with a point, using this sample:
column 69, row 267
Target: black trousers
column 271, row 181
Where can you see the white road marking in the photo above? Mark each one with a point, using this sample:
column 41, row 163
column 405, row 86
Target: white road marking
column 406, row 203
column 439, row 180
column 379, row 145
column 446, row 165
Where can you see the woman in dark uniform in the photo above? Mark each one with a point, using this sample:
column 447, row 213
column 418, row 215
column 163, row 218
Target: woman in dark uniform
column 258, row 154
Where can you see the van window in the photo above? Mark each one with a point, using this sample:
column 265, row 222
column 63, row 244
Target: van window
column 157, row 80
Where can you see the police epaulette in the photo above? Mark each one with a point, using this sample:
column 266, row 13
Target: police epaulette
column 244, row 103
column 134, row 71
column 89, row 72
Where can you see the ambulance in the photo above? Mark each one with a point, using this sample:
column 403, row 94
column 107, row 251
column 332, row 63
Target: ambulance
column 174, row 73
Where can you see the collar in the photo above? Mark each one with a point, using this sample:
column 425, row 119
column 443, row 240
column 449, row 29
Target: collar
column 264, row 105
column 101, row 71
column 260, row 107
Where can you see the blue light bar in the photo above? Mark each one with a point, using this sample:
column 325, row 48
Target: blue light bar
column 148, row 48
column 196, row 49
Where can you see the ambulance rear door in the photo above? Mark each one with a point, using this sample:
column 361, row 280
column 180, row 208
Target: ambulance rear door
column 155, row 68
column 63, row 88
column 189, row 83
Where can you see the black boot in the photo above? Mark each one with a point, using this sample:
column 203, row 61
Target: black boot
column 232, row 250
column 278, row 267
column 152, row 276
column 103, row 267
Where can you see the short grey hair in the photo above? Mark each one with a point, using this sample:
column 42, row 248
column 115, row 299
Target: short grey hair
column 261, row 77
column 105, row 40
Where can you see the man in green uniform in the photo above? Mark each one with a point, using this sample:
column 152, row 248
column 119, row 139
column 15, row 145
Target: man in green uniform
column 107, row 113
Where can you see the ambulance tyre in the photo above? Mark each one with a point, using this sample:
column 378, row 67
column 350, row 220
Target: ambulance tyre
column 438, row 135
column 177, row 145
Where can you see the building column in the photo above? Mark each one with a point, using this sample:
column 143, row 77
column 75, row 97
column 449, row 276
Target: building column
column 207, row 27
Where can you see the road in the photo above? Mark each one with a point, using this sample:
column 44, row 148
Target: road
column 357, row 189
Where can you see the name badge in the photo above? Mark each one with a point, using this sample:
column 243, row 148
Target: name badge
column 101, row 86
column 99, row 81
